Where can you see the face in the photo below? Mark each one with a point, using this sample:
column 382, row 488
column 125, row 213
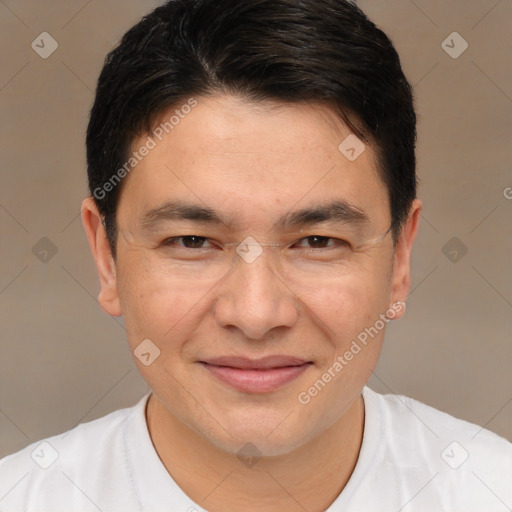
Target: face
column 319, row 267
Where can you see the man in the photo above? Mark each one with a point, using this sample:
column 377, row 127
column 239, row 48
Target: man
column 252, row 214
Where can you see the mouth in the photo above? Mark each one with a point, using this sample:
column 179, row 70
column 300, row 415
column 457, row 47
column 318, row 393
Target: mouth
column 256, row 375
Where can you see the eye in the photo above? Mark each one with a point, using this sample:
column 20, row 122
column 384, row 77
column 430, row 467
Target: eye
column 322, row 242
column 187, row 242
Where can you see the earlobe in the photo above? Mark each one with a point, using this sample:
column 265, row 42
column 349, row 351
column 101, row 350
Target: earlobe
column 108, row 297
column 401, row 271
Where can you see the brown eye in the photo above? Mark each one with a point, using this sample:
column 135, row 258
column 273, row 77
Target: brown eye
column 321, row 242
column 318, row 242
column 189, row 242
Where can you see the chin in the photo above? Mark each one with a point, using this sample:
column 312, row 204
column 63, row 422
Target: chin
column 265, row 441
column 255, row 446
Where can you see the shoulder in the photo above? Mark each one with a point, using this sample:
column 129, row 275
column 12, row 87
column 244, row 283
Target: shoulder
column 460, row 462
column 399, row 411
column 62, row 445
column 59, row 465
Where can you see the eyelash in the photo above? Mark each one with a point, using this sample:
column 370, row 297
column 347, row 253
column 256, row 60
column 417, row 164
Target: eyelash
column 172, row 241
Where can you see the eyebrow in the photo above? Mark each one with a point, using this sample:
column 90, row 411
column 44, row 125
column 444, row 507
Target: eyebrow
column 336, row 211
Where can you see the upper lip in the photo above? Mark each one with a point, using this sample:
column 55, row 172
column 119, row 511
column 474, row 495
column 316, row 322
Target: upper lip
column 278, row 361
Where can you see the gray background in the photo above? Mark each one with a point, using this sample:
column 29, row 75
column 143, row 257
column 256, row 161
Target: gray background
column 64, row 361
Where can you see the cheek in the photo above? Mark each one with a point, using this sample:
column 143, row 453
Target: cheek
column 158, row 304
column 349, row 303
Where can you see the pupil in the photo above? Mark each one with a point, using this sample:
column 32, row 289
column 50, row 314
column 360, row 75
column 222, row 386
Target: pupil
column 318, row 241
column 194, row 241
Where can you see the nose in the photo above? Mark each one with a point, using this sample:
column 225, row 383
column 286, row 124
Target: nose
column 254, row 299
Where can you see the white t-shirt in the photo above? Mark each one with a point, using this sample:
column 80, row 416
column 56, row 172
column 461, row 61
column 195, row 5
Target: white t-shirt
column 413, row 458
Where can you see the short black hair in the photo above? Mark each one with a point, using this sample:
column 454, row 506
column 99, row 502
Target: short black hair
column 290, row 51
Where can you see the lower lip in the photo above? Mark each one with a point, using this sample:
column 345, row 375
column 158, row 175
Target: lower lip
column 256, row 381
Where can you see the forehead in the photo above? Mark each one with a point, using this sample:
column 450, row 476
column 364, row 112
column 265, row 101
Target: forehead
column 252, row 161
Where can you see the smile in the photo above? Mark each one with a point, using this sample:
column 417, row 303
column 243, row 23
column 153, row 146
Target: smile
column 260, row 380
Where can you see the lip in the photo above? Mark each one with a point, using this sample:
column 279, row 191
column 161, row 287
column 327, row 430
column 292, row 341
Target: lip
column 256, row 376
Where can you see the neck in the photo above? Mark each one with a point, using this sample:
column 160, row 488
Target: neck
column 308, row 478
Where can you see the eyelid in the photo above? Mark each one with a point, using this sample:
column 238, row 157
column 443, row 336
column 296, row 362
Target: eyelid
column 338, row 242
column 171, row 241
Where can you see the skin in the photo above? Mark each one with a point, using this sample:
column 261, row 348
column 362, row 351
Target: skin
column 253, row 163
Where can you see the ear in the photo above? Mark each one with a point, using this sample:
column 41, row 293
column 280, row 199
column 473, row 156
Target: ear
column 108, row 297
column 401, row 267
